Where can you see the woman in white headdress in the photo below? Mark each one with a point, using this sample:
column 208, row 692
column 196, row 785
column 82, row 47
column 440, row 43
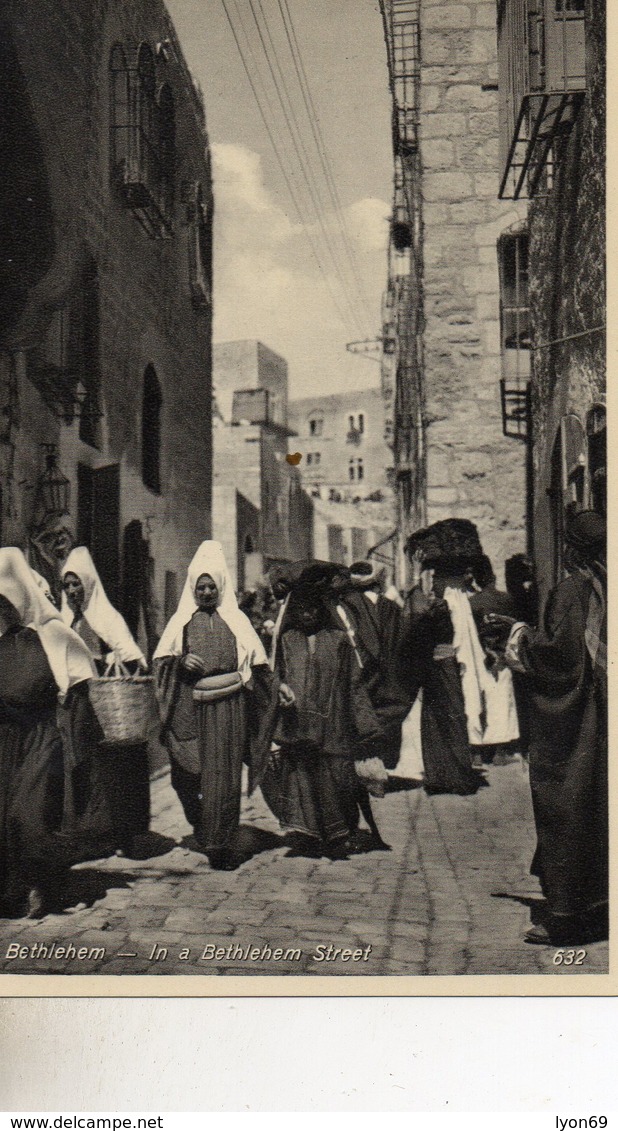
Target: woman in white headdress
column 44, row 667
column 206, row 661
column 123, row 769
column 87, row 609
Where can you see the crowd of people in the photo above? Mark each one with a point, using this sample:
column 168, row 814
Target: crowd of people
column 308, row 681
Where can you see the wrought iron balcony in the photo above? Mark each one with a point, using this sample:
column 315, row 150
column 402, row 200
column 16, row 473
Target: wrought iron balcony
column 542, row 80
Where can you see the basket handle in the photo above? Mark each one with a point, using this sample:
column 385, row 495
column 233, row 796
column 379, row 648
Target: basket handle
column 116, row 668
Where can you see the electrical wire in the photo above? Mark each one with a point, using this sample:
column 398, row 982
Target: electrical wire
column 312, row 116
column 290, row 187
column 291, row 121
column 312, row 186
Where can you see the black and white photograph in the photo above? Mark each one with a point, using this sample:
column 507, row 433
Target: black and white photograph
column 303, row 569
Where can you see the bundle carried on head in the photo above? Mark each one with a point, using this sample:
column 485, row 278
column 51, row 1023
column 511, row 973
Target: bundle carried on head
column 365, row 574
column 450, row 546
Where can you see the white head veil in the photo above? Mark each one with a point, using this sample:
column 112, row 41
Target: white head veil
column 209, row 558
column 98, row 611
column 68, row 657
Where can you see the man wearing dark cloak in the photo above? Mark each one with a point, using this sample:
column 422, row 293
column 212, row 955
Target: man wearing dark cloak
column 376, row 625
column 311, row 783
column 565, row 665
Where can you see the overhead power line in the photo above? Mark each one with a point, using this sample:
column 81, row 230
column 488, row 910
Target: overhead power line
column 276, row 149
column 303, row 81
column 311, row 188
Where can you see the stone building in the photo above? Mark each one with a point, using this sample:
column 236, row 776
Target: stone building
column 341, row 440
column 261, row 514
column 105, row 295
column 552, row 94
column 345, row 467
column 445, row 348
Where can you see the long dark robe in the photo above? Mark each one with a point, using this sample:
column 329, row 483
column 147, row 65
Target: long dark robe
column 447, row 760
column 122, row 772
column 88, row 828
column 208, row 742
column 311, row 784
column 568, row 754
column 378, row 628
column 31, row 767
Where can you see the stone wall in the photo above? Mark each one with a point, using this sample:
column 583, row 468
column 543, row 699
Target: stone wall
column 568, row 294
column 473, row 471
column 145, row 311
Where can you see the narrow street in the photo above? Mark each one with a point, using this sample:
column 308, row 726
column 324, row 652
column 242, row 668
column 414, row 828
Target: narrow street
column 452, row 897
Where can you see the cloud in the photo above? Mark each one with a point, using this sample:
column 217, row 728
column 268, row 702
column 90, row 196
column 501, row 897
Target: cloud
column 268, row 286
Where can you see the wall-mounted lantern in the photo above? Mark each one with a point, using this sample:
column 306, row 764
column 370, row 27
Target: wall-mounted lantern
column 54, row 489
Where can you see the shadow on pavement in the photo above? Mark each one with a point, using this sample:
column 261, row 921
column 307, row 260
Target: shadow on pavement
column 537, row 904
column 396, row 785
column 148, row 845
column 86, row 886
column 252, row 841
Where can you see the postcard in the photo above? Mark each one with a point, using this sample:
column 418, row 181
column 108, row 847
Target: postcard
column 303, row 498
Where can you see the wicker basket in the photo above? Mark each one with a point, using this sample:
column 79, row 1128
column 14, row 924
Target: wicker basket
column 123, row 704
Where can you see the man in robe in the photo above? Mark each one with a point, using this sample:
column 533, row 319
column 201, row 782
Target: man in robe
column 565, row 666
column 376, row 625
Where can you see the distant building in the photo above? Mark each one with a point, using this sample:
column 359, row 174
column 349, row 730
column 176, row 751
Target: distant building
column 261, row 513
column 552, row 141
column 341, row 440
column 345, row 467
column 451, row 333
column 105, row 295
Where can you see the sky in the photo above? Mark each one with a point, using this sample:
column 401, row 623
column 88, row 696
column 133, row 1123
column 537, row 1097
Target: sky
column 267, row 283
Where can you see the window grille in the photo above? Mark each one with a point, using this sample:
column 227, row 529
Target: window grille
column 143, row 140
column 402, row 33
column 542, row 80
column 515, row 334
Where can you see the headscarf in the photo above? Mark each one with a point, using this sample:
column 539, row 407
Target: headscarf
column 209, row 558
column 98, row 611
column 68, row 657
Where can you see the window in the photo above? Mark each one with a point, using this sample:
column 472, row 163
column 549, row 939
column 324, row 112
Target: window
column 151, row 430
column 514, row 308
column 166, row 140
column 514, row 333
column 142, row 139
column 309, row 459
column 360, row 470
column 361, row 423
column 199, row 220
column 356, row 470
column 351, row 424
column 541, row 82
column 316, row 423
column 351, row 470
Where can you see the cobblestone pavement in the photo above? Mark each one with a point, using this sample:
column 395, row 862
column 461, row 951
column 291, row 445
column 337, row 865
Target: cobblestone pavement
column 452, row 897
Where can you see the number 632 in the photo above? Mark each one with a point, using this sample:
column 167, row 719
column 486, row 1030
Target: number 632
column 569, row 957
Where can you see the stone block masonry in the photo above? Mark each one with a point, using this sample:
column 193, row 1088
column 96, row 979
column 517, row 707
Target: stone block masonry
column 473, row 470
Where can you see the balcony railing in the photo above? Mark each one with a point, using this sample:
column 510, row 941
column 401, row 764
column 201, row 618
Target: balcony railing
column 542, row 80
column 140, row 159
